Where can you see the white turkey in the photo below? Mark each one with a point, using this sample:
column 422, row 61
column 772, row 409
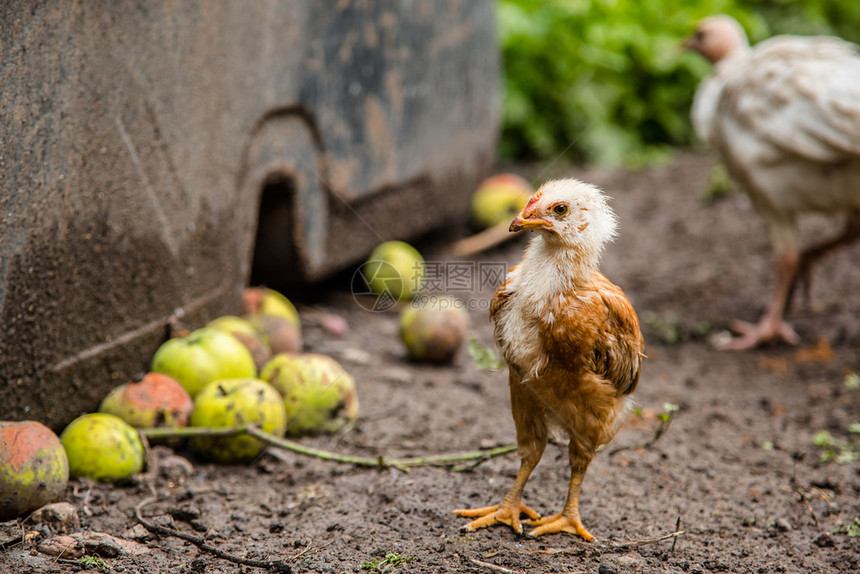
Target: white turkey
column 784, row 117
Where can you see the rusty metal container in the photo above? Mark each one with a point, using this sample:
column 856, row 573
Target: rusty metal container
column 155, row 157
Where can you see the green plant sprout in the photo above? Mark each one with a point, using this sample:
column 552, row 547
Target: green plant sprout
column 388, row 564
column 665, row 418
column 485, row 357
column 671, row 330
column 92, row 563
column 837, row 450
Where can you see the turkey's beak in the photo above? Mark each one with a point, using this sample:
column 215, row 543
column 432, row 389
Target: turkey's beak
column 519, row 223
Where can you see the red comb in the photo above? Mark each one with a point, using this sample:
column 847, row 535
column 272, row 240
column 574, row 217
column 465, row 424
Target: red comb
column 534, row 199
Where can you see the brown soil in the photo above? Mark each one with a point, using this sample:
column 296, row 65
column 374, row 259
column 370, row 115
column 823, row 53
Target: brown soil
column 737, row 466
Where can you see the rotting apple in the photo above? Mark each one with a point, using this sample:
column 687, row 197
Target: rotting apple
column 157, row 400
column 434, row 328
column 318, row 393
column 247, row 334
column 280, row 334
column 102, row 447
column 34, row 469
column 498, row 199
column 394, row 269
column 231, row 402
column 203, row 356
column 265, row 301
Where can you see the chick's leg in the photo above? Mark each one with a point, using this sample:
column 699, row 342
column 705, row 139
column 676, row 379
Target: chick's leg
column 509, row 509
column 568, row 520
column 532, row 437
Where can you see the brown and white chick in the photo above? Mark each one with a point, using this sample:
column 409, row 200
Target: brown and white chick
column 784, row 117
column 572, row 344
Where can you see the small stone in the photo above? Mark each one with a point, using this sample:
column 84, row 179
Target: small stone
column 61, row 516
column 61, row 546
column 10, row 532
column 825, row 541
column 782, row 525
column 628, row 562
column 356, row 356
column 605, row 568
column 696, row 568
column 334, row 324
column 108, row 546
column 186, row 512
column 137, row 532
column 175, row 468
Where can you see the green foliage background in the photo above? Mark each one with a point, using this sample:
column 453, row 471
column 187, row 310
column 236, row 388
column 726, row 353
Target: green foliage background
column 606, row 81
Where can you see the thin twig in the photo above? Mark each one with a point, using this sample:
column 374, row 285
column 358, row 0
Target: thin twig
column 486, row 239
column 446, row 460
column 660, row 431
column 644, row 541
column 274, row 565
column 491, row 566
column 610, row 545
column 803, row 497
column 309, row 549
column 677, row 529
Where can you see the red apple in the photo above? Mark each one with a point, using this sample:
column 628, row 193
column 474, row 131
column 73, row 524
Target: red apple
column 157, row 400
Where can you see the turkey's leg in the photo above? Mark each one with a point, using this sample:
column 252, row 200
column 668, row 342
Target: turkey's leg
column 771, row 326
column 808, row 257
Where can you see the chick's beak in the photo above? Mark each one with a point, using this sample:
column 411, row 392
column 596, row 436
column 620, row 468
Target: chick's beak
column 528, row 221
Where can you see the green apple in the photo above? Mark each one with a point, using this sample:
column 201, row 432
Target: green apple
column 157, row 400
column 203, row 356
column 34, row 469
column 231, row 402
column 102, row 447
column 498, row 199
column 262, row 300
column 247, row 334
column 319, row 395
column 395, row 269
column 433, row 329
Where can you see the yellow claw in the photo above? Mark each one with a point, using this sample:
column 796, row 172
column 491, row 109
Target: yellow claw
column 561, row 523
column 505, row 513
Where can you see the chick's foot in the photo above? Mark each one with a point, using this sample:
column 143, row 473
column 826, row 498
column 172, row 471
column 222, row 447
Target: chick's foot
column 505, row 512
column 561, row 522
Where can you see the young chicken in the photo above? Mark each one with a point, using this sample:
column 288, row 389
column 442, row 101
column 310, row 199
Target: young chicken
column 572, row 343
column 784, row 117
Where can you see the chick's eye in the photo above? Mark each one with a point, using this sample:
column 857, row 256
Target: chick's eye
column 560, row 209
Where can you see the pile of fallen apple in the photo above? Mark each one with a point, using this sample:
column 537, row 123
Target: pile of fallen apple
column 234, row 371
column 238, row 371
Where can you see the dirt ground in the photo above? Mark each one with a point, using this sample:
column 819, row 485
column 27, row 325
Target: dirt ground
column 737, row 468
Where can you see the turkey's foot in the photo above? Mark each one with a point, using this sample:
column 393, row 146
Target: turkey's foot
column 754, row 335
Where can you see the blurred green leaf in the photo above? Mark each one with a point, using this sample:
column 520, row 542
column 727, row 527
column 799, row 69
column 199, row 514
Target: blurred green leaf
column 606, row 81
